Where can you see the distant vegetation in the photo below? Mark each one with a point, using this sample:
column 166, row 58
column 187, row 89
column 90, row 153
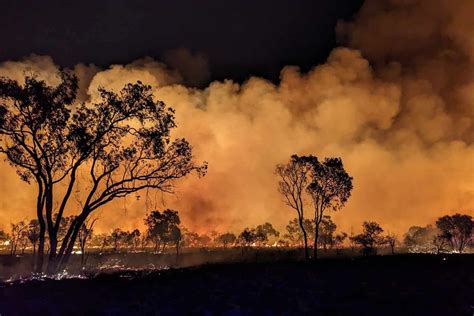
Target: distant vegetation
column 164, row 234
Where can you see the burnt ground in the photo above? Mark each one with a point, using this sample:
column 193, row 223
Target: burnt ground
column 385, row 285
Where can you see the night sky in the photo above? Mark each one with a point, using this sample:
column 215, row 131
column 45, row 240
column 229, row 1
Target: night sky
column 239, row 38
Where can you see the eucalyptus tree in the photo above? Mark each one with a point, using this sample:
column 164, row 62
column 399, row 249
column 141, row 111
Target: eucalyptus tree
column 119, row 144
column 330, row 188
column 327, row 183
column 293, row 181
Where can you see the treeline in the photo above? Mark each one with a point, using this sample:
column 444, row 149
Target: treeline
column 164, row 232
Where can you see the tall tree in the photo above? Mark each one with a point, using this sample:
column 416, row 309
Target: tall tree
column 294, row 179
column 33, row 136
column 330, row 188
column 120, row 144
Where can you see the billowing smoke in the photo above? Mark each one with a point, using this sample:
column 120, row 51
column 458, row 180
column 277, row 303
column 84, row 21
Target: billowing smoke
column 396, row 103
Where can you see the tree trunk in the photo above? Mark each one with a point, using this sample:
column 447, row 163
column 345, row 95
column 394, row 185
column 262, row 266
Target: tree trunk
column 316, row 237
column 67, row 254
column 52, row 234
column 83, row 249
column 40, row 255
column 305, row 238
column 64, row 259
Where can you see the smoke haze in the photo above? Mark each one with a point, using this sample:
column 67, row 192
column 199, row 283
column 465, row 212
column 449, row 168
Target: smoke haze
column 395, row 101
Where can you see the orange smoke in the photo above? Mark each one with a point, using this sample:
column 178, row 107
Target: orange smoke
column 396, row 103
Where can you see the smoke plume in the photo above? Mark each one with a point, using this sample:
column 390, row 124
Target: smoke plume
column 395, row 101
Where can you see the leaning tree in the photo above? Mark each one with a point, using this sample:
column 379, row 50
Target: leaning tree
column 118, row 144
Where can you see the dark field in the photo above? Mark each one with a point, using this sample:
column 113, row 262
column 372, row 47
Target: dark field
column 383, row 285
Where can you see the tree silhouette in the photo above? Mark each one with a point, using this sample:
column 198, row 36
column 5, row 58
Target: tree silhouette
column 162, row 228
column 339, row 240
column 247, row 237
column 295, row 234
column 85, row 233
column 133, row 239
column 262, row 232
column 326, row 233
column 330, row 188
column 118, row 237
column 370, row 238
column 391, row 240
column 456, row 230
column 292, row 185
column 33, row 233
column 18, row 235
column 121, row 143
column 226, row 239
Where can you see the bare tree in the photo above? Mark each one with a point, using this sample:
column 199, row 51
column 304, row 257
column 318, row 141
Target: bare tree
column 121, row 142
column 292, row 185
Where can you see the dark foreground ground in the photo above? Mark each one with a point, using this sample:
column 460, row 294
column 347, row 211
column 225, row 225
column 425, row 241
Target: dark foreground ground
column 385, row 285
